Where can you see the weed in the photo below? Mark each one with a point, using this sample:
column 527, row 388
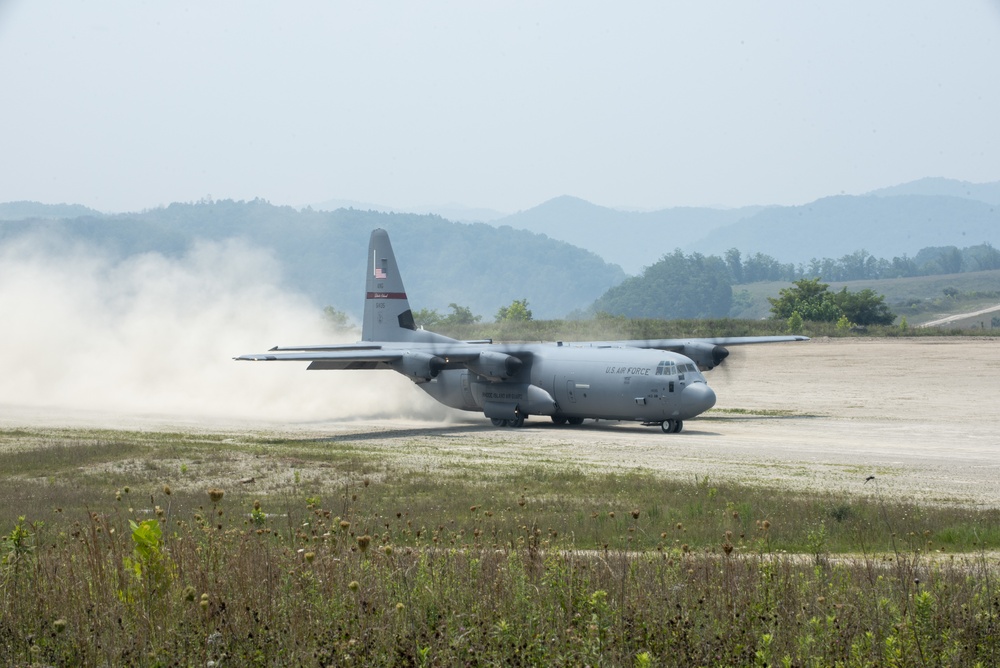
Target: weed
column 387, row 563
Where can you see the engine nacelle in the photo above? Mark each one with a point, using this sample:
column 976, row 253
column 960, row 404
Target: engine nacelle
column 705, row 355
column 495, row 366
column 419, row 366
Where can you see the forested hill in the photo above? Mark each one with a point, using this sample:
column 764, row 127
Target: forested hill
column 884, row 226
column 23, row 210
column 889, row 222
column 324, row 254
column 632, row 239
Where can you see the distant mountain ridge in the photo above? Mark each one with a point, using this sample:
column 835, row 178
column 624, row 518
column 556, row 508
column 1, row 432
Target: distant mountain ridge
column 456, row 212
column 885, row 226
column 941, row 187
column 888, row 222
column 630, row 239
column 323, row 254
column 23, row 210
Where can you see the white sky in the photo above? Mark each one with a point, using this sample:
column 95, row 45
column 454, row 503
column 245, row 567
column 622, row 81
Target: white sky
column 129, row 105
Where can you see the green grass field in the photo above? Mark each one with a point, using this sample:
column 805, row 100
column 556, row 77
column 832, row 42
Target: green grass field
column 146, row 548
column 920, row 298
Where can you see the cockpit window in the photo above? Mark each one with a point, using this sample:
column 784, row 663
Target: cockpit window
column 666, row 368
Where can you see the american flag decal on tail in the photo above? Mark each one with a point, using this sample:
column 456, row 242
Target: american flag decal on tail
column 379, row 269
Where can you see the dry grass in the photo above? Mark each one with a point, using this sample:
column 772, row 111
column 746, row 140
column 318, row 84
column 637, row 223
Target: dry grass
column 356, row 560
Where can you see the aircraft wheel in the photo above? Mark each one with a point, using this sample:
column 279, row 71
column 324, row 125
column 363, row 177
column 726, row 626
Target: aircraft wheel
column 668, row 426
column 558, row 419
column 575, row 421
column 497, row 422
column 516, row 422
column 678, row 426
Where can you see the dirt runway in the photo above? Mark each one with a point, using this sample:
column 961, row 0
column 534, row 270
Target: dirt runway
column 922, row 415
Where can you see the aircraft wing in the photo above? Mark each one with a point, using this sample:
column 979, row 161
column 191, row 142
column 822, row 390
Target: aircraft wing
column 328, row 357
column 671, row 344
column 364, row 356
column 707, row 352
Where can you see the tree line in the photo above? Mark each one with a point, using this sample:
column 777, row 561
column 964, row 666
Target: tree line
column 862, row 265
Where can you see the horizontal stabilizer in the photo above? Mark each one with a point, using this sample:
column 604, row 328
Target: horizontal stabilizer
column 364, row 355
column 335, row 346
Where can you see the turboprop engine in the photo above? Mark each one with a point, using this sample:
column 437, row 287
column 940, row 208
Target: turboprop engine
column 705, row 355
column 495, row 366
column 419, row 366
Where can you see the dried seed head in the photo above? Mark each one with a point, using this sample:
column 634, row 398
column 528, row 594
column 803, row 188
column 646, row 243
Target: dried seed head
column 215, row 494
column 635, row 513
column 353, row 586
column 363, row 542
column 309, row 556
column 344, row 525
column 766, row 525
column 166, row 490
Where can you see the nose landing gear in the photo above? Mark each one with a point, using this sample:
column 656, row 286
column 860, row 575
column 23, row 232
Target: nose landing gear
column 671, row 426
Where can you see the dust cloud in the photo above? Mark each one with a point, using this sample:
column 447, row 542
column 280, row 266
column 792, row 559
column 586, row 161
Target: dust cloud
column 150, row 335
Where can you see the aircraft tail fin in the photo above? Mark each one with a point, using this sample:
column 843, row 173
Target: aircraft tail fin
column 387, row 310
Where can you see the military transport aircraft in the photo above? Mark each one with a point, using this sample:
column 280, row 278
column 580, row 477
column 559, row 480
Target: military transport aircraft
column 655, row 382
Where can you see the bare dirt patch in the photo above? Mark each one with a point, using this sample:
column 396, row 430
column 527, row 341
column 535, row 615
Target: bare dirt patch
column 921, row 415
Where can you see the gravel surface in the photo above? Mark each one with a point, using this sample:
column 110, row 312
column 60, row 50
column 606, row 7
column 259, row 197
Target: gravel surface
column 921, row 415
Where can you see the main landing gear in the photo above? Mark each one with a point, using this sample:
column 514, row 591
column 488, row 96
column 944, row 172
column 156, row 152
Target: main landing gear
column 671, row 426
column 517, row 422
column 561, row 420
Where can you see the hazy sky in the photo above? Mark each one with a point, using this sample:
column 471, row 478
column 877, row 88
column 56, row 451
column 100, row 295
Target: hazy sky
column 130, row 105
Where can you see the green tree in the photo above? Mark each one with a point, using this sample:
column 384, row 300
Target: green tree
column 734, row 262
column 336, row 319
column 813, row 300
column 795, row 323
column 517, row 311
column 951, row 260
column 678, row 286
column 809, row 298
column 462, row 315
column 427, row 317
column 865, row 307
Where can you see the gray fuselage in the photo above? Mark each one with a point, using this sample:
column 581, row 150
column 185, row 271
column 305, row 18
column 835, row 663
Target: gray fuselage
column 612, row 383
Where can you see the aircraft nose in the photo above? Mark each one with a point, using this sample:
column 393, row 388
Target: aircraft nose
column 696, row 399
